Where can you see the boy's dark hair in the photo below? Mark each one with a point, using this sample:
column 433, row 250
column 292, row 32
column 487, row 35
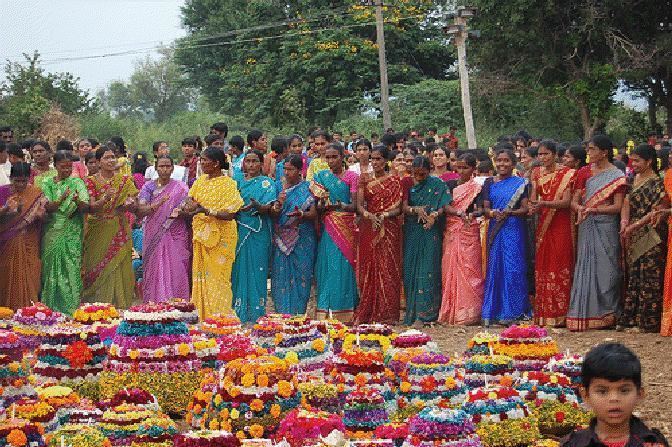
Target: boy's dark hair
column 211, row 138
column 15, row 150
column 64, row 145
column 189, row 142
column 237, row 142
column 279, row 144
column 220, row 127
column 485, row 167
column 156, row 145
column 613, row 362
column 388, row 139
column 254, row 135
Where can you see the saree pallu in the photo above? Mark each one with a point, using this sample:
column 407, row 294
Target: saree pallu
column 644, row 258
column 554, row 265
column 214, row 245
column 20, row 247
column 422, row 253
column 106, row 262
column 166, row 245
column 506, row 293
column 596, row 288
column 253, row 251
column 335, row 264
column 379, row 255
column 294, row 244
column 62, row 246
column 666, row 318
column 462, row 276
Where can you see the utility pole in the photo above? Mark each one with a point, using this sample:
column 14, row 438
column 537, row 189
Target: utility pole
column 382, row 64
column 459, row 31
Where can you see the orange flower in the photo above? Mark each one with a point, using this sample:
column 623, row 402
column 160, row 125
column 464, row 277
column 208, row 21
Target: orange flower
column 506, row 381
column 319, row 345
column 256, row 431
column 240, row 434
column 360, row 379
column 284, row 388
column 214, row 424
column 405, row 387
column 275, row 410
column 428, row 384
column 262, row 380
column 256, row 405
column 17, row 438
column 247, row 380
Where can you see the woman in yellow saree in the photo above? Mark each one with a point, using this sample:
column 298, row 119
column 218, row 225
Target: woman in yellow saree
column 213, row 202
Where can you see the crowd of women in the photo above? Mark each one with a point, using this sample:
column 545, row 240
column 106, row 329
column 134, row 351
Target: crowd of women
column 460, row 237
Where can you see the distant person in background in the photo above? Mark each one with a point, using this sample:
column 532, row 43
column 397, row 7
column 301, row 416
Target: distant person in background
column 42, row 167
column 362, row 149
column 161, row 149
column 190, row 159
column 138, row 168
column 296, row 148
column 575, row 157
column 440, row 162
column 5, row 165
column 237, row 155
column 221, row 131
column 452, row 143
column 123, row 164
column 321, row 140
column 214, row 140
column 6, row 134
column 279, row 146
column 82, row 148
column 91, row 163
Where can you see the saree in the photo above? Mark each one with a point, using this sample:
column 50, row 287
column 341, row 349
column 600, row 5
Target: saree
column 107, row 272
column 335, row 264
column 20, row 247
column 596, row 289
column 554, row 256
column 214, row 245
column 666, row 318
column 644, row 262
column 462, row 275
column 62, row 246
column 379, row 255
column 253, row 252
column 166, row 244
column 294, row 244
column 422, row 253
column 506, row 292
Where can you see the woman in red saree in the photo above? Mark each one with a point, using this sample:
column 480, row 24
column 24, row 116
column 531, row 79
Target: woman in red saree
column 379, row 199
column 554, row 259
column 22, row 207
column 461, row 268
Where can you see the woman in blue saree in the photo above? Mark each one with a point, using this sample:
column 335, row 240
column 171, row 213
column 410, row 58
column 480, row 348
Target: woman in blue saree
column 294, row 241
column 505, row 203
column 336, row 189
column 422, row 244
column 253, row 251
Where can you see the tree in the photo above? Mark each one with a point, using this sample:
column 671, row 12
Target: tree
column 28, row 93
column 156, row 90
column 540, row 47
column 251, row 57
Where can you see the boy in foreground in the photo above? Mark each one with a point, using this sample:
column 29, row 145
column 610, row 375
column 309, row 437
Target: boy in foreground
column 612, row 388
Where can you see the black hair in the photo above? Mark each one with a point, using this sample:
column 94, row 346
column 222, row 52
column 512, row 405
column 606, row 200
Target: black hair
column 189, row 142
column 613, row 362
column 164, row 157
column 220, row 127
column 211, row 138
column 411, row 149
column 296, row 136
column 433, row 129
column 384, row 151
column 469, row 159
column 321, row 133
column 216, row 154
column 254, row 135
column 279, row 144
column 63, row 155
column 15, row 150
column 237, row 142
column 94, row 142
column 532, row 151
column 295, row 160
column 485, row 167
column 399, row 136
column 481, row 154
column 421, row 162
column 26, row 144
column 156, row 145
column 503, row 145
column 431, row 147
column 3, row 146
column 100, row 152
column 63, row 145
column 550, row 145
column 429, row 140
column 578, row 153
column 337, row 146
column 363, row 142
column 20, row 169
column 119, row 142
column 89, row 156
column 604, row 143
column 509, row 153
column 42, row 143
column 6, row 129
column 647, row 152
column 140, row 163
column 258, row 153
column 388, row 139
column 663, row 156
column 374, row 135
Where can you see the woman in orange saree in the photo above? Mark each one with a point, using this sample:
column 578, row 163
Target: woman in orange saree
column 666, row 318
column 22, row 207
column 554, row 264
column 379, row 256
column 462, row 276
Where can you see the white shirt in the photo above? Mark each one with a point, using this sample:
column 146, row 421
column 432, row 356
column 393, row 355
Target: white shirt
column 179, row 173
column 356, row 168
column 4, row 178
column 6, row 167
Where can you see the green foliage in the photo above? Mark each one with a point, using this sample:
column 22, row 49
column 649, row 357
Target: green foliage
column 28, row 92
column 627, row 123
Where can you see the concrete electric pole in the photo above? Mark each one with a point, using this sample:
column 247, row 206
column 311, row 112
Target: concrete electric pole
column 382, row 64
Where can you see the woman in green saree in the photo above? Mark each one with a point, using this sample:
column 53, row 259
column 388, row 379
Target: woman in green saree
column 62, row 236
column 106, row 265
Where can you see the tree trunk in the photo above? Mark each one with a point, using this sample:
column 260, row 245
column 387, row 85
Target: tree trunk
column 586, row 122
column 652, row 109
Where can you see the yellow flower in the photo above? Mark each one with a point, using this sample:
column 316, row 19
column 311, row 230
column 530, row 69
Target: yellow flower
column 183, row 349
column 405, row 387
column 262, row 380
column 275, row 410
column 235, row 413
column 247, row 380
column 284, row 388
column 224, row 414
column 256, row 405
column 133, row 354
column 218, row 400
column 234, row 392
column 214, row 425
column 319, row 345
column 256, row 431
column 240, row 434
column 292, row 358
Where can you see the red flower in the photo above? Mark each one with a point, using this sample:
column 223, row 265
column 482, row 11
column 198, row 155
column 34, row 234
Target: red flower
column 78, row 354
column 559, row 417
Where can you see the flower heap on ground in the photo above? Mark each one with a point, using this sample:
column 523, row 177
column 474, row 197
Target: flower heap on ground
column 221, row 324
column 31, row 322
column 539, row 386
column 529, row 346
column 6, row 315
column 369, row 337
column 301, row 342
column 206, row 438
column 156, row 431
column 121, row 423
column 253, row 396
column 64, row 400
column 264, row 330
column 364, row 410
column 307, row 426
column 103, row 317
column 320, row 395
column 502, row 417
column 441, row 427
column 429, row 380
column 482, row 343
column 405, row 346
column 483, row 369
column 86, row 412
column 569, row 365
column 337, row 332
column 14, row 370
column 21, row 433
column 35, row 411
column 355, row 368
column 152, row 350
column 79, row 435
column 186, row 311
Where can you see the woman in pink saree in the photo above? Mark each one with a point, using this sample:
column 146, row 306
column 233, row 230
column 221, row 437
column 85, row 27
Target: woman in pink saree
column 166, row 240
column 461, row 266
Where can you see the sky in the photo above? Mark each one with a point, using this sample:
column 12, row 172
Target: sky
column 71, row 29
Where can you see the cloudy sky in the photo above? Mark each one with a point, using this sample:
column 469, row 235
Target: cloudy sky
column 67, row 33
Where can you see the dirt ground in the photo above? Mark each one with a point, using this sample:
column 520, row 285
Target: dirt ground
column 654, row 351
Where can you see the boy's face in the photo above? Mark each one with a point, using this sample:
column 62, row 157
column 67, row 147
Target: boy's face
column 14, row 159
column 612, row 402
column 188, row 150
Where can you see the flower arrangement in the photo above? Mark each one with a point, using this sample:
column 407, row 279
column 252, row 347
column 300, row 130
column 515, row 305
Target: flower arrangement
column 59, row 396
column 397, row 359
column 80, row 435
column 371, row 341
column 567, row 364
column 320, row 395
column 396, row 431
column 495, row 405
column 95, row 313
column 364, row 410
column 303, row 427
column 558, row 419
column 529, row 346
column 436, row 426
column 221, row 324
column 21, row 433
column 156, row 431
column 206, row 438
column 481, row 343
column 186, row 310
column 538, row 386
column 546, row 443
column 6, row 313
column 34, row 410
column 121, row 423
column 430, row 379
column 509, row 433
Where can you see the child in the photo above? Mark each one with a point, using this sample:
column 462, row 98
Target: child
column 612, row 387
